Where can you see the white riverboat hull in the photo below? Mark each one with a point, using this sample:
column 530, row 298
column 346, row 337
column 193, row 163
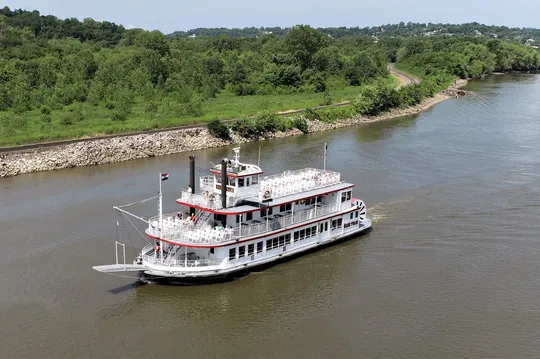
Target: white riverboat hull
column 175, row 276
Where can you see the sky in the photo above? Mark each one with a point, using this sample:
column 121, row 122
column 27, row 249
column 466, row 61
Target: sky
column 181, row 15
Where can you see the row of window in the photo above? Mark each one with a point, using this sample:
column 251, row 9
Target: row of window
column 346, row 196
column 285, row 239
column 305, row 233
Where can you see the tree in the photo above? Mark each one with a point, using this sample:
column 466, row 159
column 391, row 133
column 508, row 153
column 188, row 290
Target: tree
column 303, row 42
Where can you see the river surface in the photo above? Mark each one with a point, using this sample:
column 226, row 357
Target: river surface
column 451, row 269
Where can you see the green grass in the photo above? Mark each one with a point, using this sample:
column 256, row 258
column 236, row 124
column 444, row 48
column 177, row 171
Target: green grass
column 97, row 119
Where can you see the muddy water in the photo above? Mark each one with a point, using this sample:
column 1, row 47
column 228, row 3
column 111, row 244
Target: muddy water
column 450, row 270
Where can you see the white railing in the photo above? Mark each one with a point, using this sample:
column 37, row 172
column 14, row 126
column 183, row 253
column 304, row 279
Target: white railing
column 207, row 183
column 292, row 182
column 220, row 235
column 151, row 259
column 210, row 200
column 281, row 222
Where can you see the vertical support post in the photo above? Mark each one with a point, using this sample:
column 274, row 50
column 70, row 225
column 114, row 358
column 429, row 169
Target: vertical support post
column 324, row 164
column 224, row 183
column 192, row 180
column 116, row 251
column 185, row 256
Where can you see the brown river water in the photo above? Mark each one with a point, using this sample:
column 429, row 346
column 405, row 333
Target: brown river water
column 451, row 269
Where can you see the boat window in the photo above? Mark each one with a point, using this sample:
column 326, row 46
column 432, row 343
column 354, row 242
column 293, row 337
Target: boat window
column 325, row 226
column 356, row 214
column 349, row 193
column 232, row 181
column 254, row 180
column 241, row 251
column 268, row 244
column 259, row 247
column 321, row 227
column 287, row 239
column 288, row 206
column 281, row 241
column 240, row 182
column 270, row 210
column 251, row 249
column 275, row 242
column 232, row 254
column 263, row 213
column 238, row 218
column 282, row 208
column 296, row 236
column 343, row 196
column 211, row 250
column 352, row 214
column 247, row 181
column 249, row 216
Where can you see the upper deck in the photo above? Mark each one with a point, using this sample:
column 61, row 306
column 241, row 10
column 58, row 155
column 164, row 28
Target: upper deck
column 284, row 187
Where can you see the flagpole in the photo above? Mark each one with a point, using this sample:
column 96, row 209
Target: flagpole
column 324, row 165
column 160, row 220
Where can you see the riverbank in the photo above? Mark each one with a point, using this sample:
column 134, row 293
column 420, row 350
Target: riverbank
column 118, row 149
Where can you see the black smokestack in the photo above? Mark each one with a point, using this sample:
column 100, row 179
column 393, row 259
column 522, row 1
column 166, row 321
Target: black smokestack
column 224, row 183
column 192, row 179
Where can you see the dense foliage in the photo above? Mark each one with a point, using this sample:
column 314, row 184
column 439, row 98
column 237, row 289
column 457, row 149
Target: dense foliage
column 529, row 36
column 66, row 78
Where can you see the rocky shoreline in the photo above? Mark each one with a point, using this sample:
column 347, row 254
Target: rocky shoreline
column 118, row 149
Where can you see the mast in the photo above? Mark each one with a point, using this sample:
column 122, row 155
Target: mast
column 160, row 219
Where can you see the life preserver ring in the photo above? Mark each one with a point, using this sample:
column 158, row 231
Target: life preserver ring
column 267, row 194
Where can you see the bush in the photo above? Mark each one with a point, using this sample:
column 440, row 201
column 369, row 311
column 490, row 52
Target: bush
column 244, row 89
column 326, row 99
column 45, row 110
column 311, row 114
column 219, row 129
column 301, row 124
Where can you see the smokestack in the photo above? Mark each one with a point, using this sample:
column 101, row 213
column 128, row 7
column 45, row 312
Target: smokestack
column 224, row 183
column 192, row 179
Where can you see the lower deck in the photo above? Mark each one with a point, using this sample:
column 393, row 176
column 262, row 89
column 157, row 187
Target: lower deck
column 181, row 261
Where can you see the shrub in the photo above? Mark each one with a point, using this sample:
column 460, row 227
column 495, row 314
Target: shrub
column 45, row 110
column 301, row 124
column 326, row 99
column 311, row 114
column 219, row 129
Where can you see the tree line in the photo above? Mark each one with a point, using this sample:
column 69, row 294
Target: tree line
column 51, row 64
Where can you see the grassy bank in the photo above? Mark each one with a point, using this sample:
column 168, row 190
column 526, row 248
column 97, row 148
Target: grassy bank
column 84, row 120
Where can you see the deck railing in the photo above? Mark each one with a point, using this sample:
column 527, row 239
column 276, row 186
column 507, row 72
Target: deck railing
column 283, row 221
column 221, row 235
column 292, row 182
column 150, row 258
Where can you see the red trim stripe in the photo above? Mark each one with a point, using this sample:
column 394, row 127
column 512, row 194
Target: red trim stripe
column 269, row 234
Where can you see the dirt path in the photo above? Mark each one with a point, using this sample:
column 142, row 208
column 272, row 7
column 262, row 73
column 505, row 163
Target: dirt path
column 403, row 78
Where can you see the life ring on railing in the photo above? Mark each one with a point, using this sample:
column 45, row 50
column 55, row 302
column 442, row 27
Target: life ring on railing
column 267, row 194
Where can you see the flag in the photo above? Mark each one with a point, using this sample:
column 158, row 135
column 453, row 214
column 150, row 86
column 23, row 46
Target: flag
column 164, row 176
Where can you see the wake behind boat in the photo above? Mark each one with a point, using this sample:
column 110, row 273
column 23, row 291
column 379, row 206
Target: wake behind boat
column 239, row 220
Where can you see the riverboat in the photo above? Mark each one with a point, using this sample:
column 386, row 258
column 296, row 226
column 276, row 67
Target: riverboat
column 240, row 220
